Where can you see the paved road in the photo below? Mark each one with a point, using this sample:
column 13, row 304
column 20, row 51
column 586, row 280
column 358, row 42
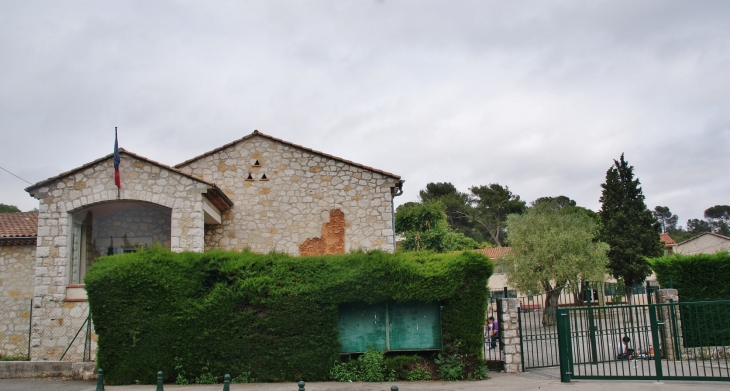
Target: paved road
column 537, row 380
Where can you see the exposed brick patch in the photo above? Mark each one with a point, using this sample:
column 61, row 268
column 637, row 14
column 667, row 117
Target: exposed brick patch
column 332, row 240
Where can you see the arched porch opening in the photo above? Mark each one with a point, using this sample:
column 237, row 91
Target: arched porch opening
column 115, row 227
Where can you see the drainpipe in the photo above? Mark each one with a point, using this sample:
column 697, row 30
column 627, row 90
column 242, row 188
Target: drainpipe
column 398, row 191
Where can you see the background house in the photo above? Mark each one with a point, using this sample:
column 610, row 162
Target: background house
column 670, row 246
column 706, row 243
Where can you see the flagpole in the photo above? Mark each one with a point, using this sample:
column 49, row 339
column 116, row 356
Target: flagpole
column 116, row 164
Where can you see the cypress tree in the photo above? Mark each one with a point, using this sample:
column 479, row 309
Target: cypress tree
column 628, row 226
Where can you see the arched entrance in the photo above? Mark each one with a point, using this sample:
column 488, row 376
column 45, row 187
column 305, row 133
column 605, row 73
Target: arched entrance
column 115, row 228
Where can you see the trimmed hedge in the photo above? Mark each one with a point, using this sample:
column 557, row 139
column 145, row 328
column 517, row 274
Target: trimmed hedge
column 696, row 277
column 701, row 277
column 273, row 316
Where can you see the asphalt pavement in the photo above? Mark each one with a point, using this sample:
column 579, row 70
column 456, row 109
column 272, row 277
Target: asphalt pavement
column 536, row 380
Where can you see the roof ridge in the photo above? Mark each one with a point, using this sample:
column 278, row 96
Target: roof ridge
column 703, row 234
column 109, row 156
column 258, row 133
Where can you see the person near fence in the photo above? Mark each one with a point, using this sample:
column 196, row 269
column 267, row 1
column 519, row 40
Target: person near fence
column 626, row 352
column 493, row 332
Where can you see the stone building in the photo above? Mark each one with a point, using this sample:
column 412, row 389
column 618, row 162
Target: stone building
column 706, row 243
column 17, row 270
column 258, row 192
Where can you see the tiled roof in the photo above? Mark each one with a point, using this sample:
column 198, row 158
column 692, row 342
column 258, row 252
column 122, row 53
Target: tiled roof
column 666, row 239
column 122, row 151
column 494, row 252
column 18, row 228
column 257, row 133
column 703, row 234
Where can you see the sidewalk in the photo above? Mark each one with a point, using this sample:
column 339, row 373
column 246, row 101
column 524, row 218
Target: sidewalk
column 538, row 380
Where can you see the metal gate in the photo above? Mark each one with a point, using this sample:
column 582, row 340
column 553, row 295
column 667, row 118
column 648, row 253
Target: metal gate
column 679, row 341
column 538, row 322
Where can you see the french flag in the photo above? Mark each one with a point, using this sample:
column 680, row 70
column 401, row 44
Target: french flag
column 117, row 180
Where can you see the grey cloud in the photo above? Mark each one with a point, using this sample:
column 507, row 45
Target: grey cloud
column 537, row 96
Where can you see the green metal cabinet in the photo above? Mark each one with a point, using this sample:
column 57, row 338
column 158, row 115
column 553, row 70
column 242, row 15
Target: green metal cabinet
column 389, row 326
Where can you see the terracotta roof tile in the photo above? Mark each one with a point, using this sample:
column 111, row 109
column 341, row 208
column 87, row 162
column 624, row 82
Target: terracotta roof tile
column 666, row 239
column 257, row 133
column 494, row 252
column 18, row 225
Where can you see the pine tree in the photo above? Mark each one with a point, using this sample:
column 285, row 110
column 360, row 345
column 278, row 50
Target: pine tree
column 628, row 226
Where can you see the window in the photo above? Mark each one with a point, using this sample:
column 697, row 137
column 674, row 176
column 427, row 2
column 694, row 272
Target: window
column 115, row 228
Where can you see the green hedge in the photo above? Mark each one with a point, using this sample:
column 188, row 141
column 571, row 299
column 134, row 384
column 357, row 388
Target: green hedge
column 702, row 277
column 271, row 315
column 696, row 277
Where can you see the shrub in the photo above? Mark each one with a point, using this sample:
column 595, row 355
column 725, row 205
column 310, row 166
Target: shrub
column 272, row 316
column 701, row 277
column 451, row 368
column 400, row 364
column 696, row 277
column 418, row 374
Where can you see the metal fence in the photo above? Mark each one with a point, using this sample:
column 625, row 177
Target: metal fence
column 681, row 341
column 15, row 326
column 493, row 345
column 538, row 322
column 62, row 338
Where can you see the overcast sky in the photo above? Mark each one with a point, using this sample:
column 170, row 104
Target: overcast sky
column 538, row 96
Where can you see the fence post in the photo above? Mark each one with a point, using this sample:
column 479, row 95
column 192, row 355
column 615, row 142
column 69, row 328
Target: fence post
column 30, row 326
column 672, row 328
column 159, row 381
column 301, row 385
column 564, row 349
column 591, row 325
column 655, row 340
column 227, row 382
column 509, row 329
column 100, row 380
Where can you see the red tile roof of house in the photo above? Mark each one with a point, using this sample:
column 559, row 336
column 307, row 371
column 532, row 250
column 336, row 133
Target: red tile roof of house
column 494, row 252
column 18, row 228
column 666, row 239
column 257, row 133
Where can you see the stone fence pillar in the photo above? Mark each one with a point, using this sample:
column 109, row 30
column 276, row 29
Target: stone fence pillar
column 510, row 338
column 673, row 342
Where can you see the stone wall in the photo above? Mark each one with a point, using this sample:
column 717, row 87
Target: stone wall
column 510, row 335
column 282, row 202
column 56, row 320
column 17, row 265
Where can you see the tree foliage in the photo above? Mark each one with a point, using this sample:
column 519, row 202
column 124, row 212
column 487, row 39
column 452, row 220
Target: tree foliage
column 425, row 228
column 697, row 226
column 8, row 208
column 559, row 201
column 457, row 208
column 490, row 206
column 552, row 247
column 628, row 226
column 718, row 217
column 479, row 214
column 666, row 219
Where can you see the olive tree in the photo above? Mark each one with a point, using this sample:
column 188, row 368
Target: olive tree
column 552, row 246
